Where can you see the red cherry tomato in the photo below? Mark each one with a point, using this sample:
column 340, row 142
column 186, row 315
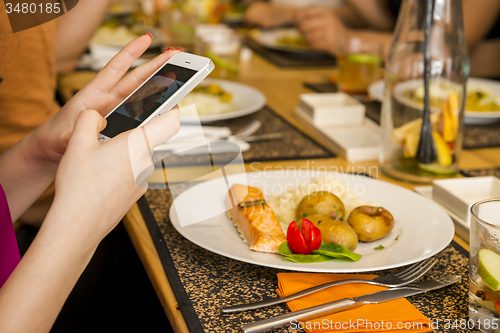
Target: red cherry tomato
column 303, row 241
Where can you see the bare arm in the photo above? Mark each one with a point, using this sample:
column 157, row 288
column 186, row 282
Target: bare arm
column 269, row 15
column 75, row 30
column 325, row 31
column 374, row 12
column 479, row 17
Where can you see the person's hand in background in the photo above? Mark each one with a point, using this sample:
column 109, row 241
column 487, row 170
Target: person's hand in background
column 321, row 28
column 269, row 15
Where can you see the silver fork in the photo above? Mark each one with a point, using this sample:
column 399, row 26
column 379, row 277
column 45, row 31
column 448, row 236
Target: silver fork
column 393, row 280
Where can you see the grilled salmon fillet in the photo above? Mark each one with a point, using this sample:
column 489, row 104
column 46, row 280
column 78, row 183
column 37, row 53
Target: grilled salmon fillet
column 254, row 219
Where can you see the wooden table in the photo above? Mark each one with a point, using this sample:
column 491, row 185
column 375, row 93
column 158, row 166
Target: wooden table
column 282, row 88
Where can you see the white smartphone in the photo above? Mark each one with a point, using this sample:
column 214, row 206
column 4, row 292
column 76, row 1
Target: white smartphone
column 158, row 94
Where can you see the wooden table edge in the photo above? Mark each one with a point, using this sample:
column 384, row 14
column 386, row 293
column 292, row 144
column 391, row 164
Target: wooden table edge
column 143, row 243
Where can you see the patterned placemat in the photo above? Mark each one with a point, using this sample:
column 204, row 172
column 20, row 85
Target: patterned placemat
column 481, row 172
column 475, row 136
column 203, row 281
column 289, row 59
column 293, row 145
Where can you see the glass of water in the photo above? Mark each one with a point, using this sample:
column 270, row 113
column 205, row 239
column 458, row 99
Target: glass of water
column 484, row 271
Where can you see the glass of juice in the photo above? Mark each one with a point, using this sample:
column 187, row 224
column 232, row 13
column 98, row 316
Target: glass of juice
column 177, row 26
column 359, row 65
column 484, row 270
column 224, row 50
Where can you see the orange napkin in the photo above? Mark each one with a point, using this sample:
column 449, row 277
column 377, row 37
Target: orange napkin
column 392, row 316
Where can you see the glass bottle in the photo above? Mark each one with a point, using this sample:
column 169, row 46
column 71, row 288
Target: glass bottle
column 402, row 106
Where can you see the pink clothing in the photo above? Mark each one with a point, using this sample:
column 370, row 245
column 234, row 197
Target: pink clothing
column 9, row 252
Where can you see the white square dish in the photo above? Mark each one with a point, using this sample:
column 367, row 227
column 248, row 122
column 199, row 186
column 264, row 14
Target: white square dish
column 332, row 108
column 459, row 194
column 461, row 226
column 355, row 143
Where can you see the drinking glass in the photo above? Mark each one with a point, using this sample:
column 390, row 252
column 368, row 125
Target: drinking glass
column 484, row 270
column 178, row 28
column 359, row 65
column 224, row 50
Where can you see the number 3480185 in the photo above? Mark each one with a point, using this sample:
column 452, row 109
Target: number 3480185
column 33, row 8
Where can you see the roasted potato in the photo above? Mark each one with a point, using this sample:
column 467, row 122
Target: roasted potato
column 323, row 203
column 334, row 231
column 371, row 223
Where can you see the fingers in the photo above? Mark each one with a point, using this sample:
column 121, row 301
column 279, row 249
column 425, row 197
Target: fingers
column 87, row 127
column 119, row 65
column 307, row 26
column 162, row 128
column 136, row 77
column 308, row 13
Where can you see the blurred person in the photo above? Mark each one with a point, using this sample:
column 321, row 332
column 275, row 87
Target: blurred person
column 275, row 13
column 29, row 63
column 374, row 21
column 94, row 188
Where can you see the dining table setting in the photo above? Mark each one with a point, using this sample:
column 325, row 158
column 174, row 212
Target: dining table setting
column 282, row 130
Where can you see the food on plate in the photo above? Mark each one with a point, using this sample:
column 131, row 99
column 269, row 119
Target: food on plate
column 482, row 100
column 334, row 231
column 254, row 219
column 285, row 204
column 326, row 252
column 293, row 40
column 209, row 100
column 214, row 90
column 320, row 202
column 304, row 239
column 371, row 223
column 479, row 97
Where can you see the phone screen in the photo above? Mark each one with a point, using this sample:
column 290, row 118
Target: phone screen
column 147, row 99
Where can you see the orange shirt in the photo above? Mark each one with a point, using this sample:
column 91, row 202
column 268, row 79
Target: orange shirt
column 27, row 67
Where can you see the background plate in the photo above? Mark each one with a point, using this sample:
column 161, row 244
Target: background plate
column 246, row 100
column 270, row 39
column 422, row 227
column 376, row 91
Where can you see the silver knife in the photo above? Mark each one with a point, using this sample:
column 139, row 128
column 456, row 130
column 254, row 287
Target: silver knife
column 348, row 303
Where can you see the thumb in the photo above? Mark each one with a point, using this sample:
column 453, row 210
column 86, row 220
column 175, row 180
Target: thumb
column 162, row 128
column 87, row 127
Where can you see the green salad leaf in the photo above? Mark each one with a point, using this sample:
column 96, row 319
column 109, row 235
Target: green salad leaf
column 326, row 252
column 337, row 251
column 300, row 258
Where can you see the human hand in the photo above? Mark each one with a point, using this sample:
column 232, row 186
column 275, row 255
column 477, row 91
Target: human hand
column 269, row 15
column 103, row 93
column 97, row 183
column 321, row 28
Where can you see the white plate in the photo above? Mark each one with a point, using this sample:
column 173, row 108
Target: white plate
column 376, row 91
column 422, row 227
column 270, row 39
column 246, row 100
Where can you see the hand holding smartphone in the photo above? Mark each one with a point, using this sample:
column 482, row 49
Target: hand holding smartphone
column 158, row 94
